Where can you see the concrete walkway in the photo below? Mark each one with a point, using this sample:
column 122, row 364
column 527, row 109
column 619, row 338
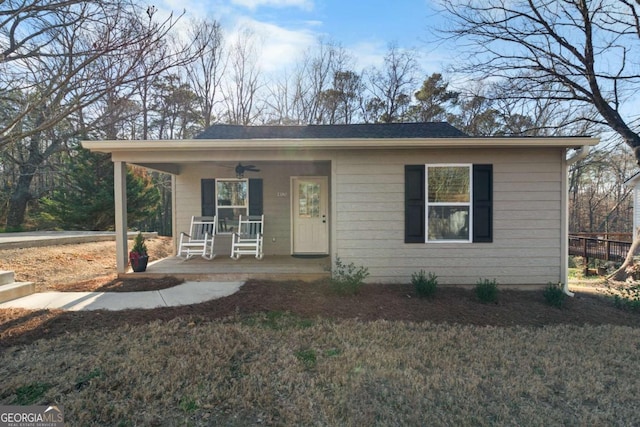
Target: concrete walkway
column 30, row 239
column 184, row 294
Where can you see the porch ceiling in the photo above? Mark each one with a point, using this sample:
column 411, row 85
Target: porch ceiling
column 224, row 161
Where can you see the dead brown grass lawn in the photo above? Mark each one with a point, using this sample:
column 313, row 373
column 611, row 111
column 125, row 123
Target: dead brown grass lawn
column 54, row 267
column 383, row 357
column 278, row 369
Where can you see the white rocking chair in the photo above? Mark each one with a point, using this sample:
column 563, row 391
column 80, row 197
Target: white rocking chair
column 200, row 239
column 248, row 239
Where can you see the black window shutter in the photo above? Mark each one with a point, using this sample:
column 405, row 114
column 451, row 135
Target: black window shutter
column 483, row 203
column 208, row 196
column 255, row 196
column 414, row 204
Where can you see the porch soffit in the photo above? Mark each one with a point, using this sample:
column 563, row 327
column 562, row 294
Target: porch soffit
column 207, row 145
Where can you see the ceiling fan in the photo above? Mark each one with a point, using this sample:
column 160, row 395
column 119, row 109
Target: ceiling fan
column 240, row 169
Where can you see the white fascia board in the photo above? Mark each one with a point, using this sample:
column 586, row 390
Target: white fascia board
column 333, row 144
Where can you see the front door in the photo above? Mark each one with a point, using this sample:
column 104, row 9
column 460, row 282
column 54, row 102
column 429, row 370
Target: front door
column 310, row 215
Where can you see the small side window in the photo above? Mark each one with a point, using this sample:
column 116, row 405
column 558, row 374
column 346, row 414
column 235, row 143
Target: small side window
column 448, row 203
column 449, row 189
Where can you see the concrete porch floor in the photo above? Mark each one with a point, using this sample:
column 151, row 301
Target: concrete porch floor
column 223, row 268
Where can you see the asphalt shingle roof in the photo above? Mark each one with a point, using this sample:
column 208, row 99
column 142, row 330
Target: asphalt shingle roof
column 378, row 130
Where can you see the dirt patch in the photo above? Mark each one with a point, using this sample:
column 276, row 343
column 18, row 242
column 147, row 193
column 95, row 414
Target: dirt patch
column 55, row 267
column 82, row 268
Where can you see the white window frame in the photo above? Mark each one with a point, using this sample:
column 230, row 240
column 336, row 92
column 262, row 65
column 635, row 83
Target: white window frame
column 468, row 204
column 218, row 206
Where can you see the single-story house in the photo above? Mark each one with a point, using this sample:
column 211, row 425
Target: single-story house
column 395, row 198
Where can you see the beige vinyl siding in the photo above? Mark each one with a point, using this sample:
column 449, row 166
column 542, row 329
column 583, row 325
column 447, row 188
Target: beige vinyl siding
column 276, row 197
column 527, row 217
column 367, row 205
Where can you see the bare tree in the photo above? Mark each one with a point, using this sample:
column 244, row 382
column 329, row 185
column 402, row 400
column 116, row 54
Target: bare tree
column 391, row 86
column 53, row 49
column 567, row 51
column 600, row 202
column 206, row 72
column 175, row 108
column 476, row 114
column 280, row 101
column 58, row 60
column 241, row 91
column 307, row 85
column 572, row 52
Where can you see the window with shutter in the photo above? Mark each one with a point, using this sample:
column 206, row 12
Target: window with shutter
column 230, row 198
column 448, row 203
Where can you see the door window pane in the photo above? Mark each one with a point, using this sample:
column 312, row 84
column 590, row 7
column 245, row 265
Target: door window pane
column 309, row 200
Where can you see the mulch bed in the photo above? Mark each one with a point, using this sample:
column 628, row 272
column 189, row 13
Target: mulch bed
column 112, row 283
column 390, row 302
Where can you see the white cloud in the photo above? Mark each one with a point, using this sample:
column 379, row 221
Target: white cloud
column 368, row 54
column 279, row 47
column 254, row 4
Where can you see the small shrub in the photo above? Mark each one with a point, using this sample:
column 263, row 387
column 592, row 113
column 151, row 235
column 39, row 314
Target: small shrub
column 574, row 262
column 188, row 404
column 425, row 286
column 139, row 245
column 307, row 357
column 628, row 298
column 333, row 352
column 31, row 393
column 487, row 290
column 85, row 380
column 554, row 295
column 348, row 279
column 274, row 319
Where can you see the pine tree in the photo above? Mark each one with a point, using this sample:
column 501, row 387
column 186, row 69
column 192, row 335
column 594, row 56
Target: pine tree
column 86, row 201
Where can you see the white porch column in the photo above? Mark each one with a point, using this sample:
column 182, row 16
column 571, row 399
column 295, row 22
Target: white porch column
column 120, row 197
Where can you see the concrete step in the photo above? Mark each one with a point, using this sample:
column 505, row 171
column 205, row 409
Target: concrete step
column 11, row 290
column 6, row 277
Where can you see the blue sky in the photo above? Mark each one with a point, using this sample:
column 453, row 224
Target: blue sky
column 289, row 27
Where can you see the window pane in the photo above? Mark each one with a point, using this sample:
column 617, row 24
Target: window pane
column 448, row 184
column 232, row 202
column 232, row 193
column 309, row 200
column 448, row 223
column 228, row 219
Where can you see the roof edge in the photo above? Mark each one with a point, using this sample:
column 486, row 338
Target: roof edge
column 342, row 143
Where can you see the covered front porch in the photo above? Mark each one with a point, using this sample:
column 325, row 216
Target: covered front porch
column 223, row 268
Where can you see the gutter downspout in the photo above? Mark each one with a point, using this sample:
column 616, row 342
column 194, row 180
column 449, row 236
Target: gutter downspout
column 578, row 155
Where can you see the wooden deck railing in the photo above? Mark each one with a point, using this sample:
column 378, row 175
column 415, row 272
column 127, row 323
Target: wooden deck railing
column 598, row 248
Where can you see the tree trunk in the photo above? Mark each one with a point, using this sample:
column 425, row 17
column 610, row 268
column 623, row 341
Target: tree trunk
column 19, row 198
column 621, row 273
column 21, row 194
